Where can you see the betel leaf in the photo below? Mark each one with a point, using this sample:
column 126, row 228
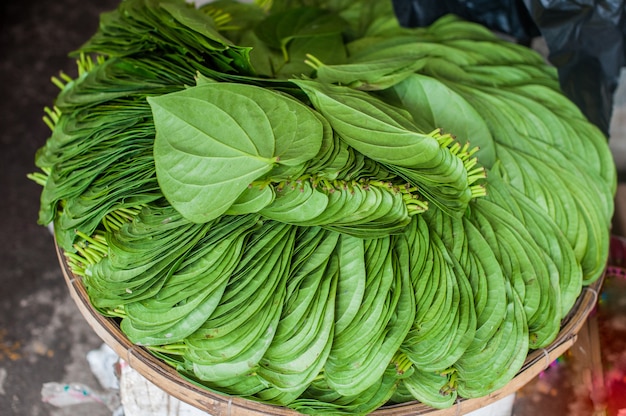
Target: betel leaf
column 213, row 140
column 323, row 47
column 368, row 76
column 378, row 130
column 189, row 17
column 280, row 28
column 252, row 200
column 433, row 104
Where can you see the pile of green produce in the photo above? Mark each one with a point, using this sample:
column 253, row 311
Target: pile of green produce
column 302, row 203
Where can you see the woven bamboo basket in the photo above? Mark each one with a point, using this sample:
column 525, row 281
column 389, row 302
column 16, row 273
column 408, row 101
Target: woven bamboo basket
column 167, row 379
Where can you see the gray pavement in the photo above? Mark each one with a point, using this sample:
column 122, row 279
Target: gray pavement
column 43, row 338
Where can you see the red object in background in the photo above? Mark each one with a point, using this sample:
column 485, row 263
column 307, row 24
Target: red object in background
column 617, row 257
column 616, row 397
column 612, row 328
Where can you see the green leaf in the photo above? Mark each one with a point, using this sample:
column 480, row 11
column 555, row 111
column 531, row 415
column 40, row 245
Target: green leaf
column 433, row 104
column 252, row 200
column 373, row 127
column 296, row 204
column 190, row 18
column 328, row 48
column 352, row 279
column 213, row 140
column 280, row 28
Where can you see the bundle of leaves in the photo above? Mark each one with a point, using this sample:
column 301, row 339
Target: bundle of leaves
column 303, row 203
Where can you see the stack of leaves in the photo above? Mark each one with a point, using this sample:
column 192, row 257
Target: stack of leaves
column 280, row 199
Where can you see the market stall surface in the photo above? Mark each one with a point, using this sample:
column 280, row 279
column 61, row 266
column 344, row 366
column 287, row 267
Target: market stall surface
column 44, row 339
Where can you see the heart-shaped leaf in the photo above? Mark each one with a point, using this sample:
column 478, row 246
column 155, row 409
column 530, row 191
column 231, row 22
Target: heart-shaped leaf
column 213, row 140
column 435, row 105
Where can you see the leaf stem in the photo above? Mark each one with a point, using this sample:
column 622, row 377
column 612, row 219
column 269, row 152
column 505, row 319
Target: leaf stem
column 313, row 62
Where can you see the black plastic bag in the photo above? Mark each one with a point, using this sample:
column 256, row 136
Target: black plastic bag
column 586, row 39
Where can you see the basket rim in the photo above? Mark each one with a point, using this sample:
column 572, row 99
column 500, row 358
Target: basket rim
column 166, row 377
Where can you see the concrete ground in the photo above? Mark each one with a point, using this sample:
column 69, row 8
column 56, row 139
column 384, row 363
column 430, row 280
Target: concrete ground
column 43, row 338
